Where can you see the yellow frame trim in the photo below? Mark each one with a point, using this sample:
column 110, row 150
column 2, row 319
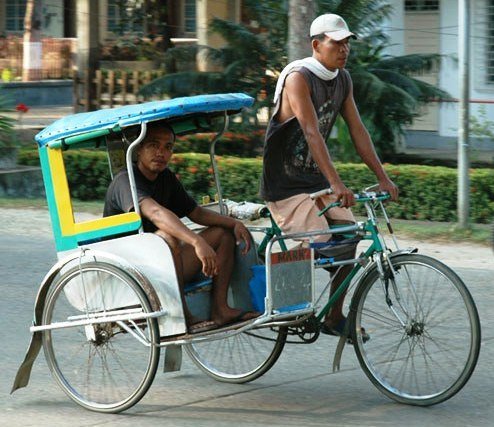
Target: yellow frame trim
column 68, row 226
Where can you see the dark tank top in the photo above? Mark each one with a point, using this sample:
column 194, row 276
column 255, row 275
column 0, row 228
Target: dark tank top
column 288, row 167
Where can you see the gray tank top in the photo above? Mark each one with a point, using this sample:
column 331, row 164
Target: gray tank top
column 288, row 167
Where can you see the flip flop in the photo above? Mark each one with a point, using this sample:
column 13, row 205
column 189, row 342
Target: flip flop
column 202, row 326
column 338, row 330
column 243, row 316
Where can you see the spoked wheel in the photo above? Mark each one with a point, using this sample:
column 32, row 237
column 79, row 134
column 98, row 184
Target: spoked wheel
column 240, row 358
column 424, row 331
column 102, row 367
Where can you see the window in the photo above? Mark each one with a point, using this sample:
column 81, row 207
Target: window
column 125, row 16
column 16, row 9
column 190, row 16
column 421, row 5
column 482, row 53
column 490, row 42
column 113, row 15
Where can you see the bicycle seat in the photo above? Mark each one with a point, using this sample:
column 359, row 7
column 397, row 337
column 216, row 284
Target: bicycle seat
column 338, row 248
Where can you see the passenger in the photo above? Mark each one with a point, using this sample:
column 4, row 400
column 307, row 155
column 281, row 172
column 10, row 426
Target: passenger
column 162, row 202
column 309, row 95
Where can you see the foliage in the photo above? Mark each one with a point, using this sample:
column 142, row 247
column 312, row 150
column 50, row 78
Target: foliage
column 6, row 123
column 231, row 144
column 132, row 48
column 426, row 192
column 386, row 90
column 480, row 125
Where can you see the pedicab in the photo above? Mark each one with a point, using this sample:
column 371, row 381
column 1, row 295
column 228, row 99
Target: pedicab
column 112, row 301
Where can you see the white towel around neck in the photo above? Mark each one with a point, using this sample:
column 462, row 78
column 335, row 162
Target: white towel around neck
column 310, row 63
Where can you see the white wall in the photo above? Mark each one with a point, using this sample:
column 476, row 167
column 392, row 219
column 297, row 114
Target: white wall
column 449, row 78
column 52, row 16
column 448, row 75
column 393, row 27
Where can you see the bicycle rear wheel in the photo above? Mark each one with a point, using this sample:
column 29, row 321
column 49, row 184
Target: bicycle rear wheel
column 239, row 358
column 102, row 367
column 424, row 329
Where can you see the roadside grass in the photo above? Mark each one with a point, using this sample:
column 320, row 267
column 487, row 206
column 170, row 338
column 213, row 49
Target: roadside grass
column 92, row 207
column 443, row 231
column 420, row 230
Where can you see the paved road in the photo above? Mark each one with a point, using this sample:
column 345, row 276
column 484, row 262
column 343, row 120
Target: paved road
column 300, row 390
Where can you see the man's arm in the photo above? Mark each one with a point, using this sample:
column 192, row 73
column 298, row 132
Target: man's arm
column 364, row 146
column 208, row 217
column 169, row 223
column 297, row 94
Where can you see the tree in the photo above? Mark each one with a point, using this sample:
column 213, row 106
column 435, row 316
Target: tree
column 385, row 90
column 300, row 15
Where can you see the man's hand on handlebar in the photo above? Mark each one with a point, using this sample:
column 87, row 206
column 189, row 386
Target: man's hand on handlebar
column 343, row 194
column 388, row 186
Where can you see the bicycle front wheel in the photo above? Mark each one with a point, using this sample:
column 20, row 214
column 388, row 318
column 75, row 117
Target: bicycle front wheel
column 424, row 330
column 239, row 358
column 102, row 366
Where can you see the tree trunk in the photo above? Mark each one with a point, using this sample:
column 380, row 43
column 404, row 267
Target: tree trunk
column 32, row 66
column 300, row 15
column 87, row 50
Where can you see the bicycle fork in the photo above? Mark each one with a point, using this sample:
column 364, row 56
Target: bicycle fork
column 386, row 275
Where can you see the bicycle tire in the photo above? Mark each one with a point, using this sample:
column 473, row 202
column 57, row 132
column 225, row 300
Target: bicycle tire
column 431, row 356
column 106, row 370
column 239, row 358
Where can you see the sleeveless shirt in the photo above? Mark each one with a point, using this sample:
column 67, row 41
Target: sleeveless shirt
column 288, row 167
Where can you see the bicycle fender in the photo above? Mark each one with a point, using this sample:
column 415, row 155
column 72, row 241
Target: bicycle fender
column 338, row 352
column 24, row 371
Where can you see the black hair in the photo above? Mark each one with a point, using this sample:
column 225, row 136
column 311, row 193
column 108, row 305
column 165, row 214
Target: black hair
column 132, row 132
column 161, row 125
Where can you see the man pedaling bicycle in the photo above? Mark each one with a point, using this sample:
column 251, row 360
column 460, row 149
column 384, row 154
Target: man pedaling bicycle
column 309, row 95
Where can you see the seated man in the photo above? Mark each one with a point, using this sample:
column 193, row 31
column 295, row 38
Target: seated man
column 163, row 201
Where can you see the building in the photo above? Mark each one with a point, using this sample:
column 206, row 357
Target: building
column 431, row 26
column 416, row 26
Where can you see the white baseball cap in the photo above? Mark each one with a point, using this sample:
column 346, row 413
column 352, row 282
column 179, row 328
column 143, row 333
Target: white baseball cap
column 333, row 26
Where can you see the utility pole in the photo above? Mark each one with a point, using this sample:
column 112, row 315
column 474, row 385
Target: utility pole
column 463, row 109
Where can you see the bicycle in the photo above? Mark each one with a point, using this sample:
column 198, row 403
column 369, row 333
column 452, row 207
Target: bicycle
column 394, row 301
column 110, row 304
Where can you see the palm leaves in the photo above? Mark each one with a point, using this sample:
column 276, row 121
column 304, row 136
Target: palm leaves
column 386, row 88
column 6, row 123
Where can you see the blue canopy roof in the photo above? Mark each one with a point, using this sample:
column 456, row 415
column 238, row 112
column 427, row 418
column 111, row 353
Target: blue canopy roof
column 121, row 117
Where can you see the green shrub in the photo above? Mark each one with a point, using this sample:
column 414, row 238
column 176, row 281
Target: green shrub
column 231, row 144
column 426, row 192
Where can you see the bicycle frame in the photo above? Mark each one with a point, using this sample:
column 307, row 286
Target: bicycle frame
column 368, row 230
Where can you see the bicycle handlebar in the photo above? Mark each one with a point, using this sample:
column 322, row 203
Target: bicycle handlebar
column 364, row 196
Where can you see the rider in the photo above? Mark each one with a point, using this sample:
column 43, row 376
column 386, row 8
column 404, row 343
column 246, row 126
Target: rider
column 162, row 202
column 310, row 93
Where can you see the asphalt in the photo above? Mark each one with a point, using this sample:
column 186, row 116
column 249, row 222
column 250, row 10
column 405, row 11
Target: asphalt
column 300, row 390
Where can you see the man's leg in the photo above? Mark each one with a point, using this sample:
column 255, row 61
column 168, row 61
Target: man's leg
column 223, row 242
column 188, row 265
column 335, row 314
column 299, row 214
column 177, row 253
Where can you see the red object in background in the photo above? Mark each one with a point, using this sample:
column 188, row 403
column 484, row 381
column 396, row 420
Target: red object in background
column 22, row 108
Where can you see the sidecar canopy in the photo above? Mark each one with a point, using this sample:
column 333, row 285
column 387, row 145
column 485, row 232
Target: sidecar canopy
column 187, row 114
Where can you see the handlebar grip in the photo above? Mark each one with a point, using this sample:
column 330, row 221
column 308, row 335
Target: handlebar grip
column 320, row 193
